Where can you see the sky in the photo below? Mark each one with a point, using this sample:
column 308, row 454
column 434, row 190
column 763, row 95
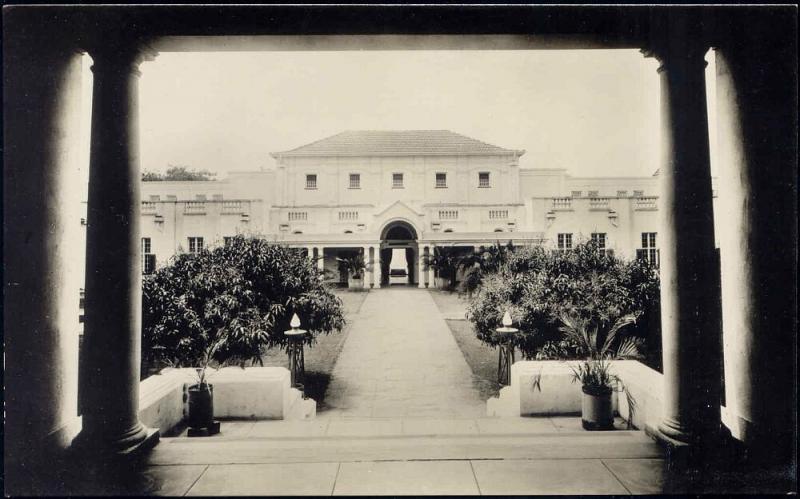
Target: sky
column 593, row 112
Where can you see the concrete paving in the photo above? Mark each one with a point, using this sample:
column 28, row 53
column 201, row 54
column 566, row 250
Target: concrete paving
column 406, row 456
column 404, row 417
column 401, row 361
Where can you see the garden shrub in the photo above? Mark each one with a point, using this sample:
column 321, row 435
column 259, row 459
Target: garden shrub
column 537, row 286
column 247, row 290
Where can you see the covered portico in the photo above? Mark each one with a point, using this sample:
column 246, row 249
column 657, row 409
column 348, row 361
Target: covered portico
column 757, row 89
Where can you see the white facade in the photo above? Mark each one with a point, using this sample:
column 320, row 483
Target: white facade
column 349, row 191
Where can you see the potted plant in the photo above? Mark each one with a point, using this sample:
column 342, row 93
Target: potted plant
column 227, row 305
column 446, row 263
column 355, row 266
column 594, row 373
column 212, row 324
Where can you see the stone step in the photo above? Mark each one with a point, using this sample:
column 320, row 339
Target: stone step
column 349, row 448
column 301, row 409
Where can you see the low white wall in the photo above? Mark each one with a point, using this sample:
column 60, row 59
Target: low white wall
column 252, row 393
column 645, row 386
column 161, row 402
column 557, row 394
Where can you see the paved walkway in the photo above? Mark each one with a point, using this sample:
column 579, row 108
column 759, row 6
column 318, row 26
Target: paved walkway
column 400, row 361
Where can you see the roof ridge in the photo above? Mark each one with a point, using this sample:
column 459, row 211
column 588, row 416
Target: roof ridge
column 312, row 143
column 397, row 142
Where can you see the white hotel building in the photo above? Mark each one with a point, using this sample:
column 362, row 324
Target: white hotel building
column 374, row 191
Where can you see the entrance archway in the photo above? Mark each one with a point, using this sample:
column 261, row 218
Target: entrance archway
column 399, row 235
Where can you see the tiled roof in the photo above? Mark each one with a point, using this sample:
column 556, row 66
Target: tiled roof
column 397, row 143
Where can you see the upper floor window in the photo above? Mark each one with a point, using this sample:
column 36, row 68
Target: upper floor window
column 441, row 180
column 311, row 181
column 594, row 194
column 622, row 194
column 564, row 241
column 355, row 181
column 576, row 194
column 483, row 179
column 397, row 180
column 638, row 194
column 649, row 251
column 146, row 245
column 195, row 244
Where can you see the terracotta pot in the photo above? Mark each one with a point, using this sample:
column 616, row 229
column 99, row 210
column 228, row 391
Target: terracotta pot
column 201, row 406
column 597, row 413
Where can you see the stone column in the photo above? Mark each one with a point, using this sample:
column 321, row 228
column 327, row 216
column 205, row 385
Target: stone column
column 758, row 243
column 690, row 341
column 112, row 339
column 42, row 266
column 366, row 279
column 421, row 266
column 321, row 258
column 431, row 275
column 376, row 266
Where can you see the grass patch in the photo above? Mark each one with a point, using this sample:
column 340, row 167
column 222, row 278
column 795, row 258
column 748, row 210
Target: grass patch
column 481, row 358
column 321, row 357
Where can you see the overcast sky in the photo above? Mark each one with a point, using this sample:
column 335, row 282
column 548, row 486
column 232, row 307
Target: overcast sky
column 594, row 112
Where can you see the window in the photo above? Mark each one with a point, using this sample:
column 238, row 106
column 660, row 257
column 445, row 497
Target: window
column 397, row 180
column 599, row 238
column 564, row 242
column 483, row 179
column 576, row 194
column 622, row 194
column 148, row 259
column 649, row 251
column 638, row 194
column 195, row 244
column 355, row 181
column 227, row 240
column 441, row 181
column 311, row 181
column 594, row 194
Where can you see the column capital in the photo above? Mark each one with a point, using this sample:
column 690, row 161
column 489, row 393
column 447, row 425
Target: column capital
column 116, row 54
column 670, row 56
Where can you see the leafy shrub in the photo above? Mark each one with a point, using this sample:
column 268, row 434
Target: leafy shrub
column 482, row 262
column 539, row 286
column 231, row 303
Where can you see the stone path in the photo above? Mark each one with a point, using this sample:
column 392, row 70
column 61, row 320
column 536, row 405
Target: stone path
column 400, row 360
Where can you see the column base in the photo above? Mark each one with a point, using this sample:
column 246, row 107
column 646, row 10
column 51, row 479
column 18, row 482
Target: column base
column 130, row 446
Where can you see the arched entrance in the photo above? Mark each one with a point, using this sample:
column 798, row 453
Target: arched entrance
column 399, row 235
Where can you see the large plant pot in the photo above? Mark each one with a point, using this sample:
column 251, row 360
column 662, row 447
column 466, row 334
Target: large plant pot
column 201, row 411
column 441, row 282
column 355, row 282
column 597, row 413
